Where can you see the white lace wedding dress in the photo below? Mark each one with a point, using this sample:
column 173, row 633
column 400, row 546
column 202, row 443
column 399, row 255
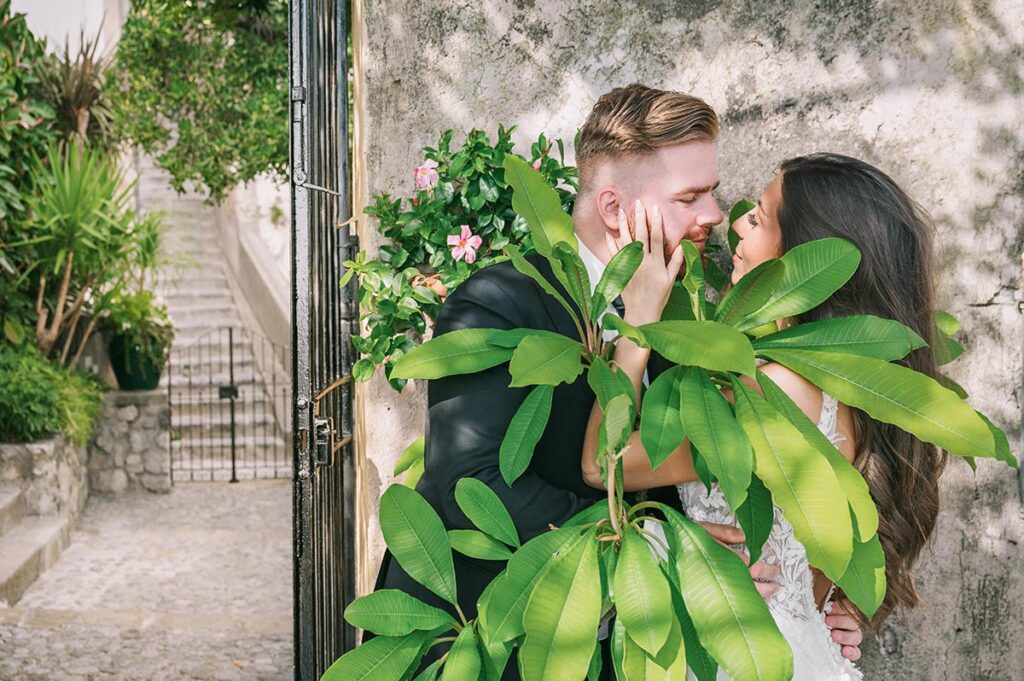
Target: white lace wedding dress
column 815, row 656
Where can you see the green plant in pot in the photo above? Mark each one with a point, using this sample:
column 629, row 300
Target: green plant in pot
column 139, row 335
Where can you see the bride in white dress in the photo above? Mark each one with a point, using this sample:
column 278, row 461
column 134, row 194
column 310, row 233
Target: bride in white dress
column 823, row 195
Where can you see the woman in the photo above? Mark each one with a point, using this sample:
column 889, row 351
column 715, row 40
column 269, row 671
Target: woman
column 813, row 197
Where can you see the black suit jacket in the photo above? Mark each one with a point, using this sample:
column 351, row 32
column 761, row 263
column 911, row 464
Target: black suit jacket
column 467, row 417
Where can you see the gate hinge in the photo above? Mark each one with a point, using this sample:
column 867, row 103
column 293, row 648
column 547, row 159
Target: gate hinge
column 323, row 441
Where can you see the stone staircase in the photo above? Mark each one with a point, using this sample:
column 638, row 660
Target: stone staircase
column 202, row 306
column 29, row 544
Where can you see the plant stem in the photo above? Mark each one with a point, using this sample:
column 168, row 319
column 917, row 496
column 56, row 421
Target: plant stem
column 649, row 533
column 462, row 615
column 642, row 506
column 613, row 510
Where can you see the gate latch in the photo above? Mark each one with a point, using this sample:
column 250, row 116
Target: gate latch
column 323, row 441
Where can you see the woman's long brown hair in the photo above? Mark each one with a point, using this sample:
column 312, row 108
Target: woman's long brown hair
column 829, row 195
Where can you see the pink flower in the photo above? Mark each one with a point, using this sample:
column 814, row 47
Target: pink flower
column 426, row 174
column 465, row 245
column 536, row 164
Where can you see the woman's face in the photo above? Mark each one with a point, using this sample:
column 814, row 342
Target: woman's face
column 759, row 232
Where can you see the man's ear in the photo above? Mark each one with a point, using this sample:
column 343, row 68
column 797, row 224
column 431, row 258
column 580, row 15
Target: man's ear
column 609, row 200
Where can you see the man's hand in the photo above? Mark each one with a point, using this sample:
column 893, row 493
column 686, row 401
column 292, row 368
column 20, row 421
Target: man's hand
column 765, row 576
column 845, row 630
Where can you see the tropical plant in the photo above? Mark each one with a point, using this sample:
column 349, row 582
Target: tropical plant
column 689, row 602
column 203, row 88
column 461, row 196
column 83, row 241
column 76, row 87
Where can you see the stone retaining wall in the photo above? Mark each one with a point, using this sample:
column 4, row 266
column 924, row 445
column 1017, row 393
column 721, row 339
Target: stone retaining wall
column 51, row 473
column 131, row 447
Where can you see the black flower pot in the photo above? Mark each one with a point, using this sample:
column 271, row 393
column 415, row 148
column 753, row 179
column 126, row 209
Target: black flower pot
column 135, row 369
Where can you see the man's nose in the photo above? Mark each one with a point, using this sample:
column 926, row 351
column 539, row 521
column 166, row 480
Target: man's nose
column 711, row 215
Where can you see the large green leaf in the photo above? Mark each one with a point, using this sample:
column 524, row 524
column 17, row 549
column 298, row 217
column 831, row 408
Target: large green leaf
column 801, row 482
column 417, row 539
column 538, row 204
column 617, row 273
column 864, row 579
column 711, row 345
column 1003, row 452
column 562, row 616
column 642, row 598
column 410, row 455
column 607, row 382
column 382, row 658
column 524, row 432
column 546, row 360
column 502, row 618
column 700, row 662
column 814, row 271
column 623, row 328
column 730, row 616
column 756, row 516
column 390, row 612
column 678, row 306
column 895, row 394
column 751, row 292
column 495, row 658
column 738, row 210
column 693, row 278
column 711, row 426
column 431, row 672
column 463, row 351
column 863, row 335
column 633, row 664
column 591, row 514
column 854, row 486
column 463, row 661
column 661, row 425
column 476, row 544
column 484, row 509
column 617, row 423
column 524, row 266
column 576, row 277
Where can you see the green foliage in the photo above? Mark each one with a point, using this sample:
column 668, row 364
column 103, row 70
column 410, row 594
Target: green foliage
column 689, row 603
column 203, row 87
column 40, row 397
column 25, row 132
column 402, row 289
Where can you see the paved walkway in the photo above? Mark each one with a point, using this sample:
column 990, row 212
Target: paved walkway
column 192, row 585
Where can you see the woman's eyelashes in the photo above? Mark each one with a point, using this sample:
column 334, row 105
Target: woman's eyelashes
column 751, row 219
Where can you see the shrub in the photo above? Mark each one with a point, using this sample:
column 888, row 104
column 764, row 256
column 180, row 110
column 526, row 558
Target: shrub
column 40, row 398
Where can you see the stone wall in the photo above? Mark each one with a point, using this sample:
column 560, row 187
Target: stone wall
column 932, row 92
column 130, row 449
column 51, row 473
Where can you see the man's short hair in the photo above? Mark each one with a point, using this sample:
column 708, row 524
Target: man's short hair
column 637, row 120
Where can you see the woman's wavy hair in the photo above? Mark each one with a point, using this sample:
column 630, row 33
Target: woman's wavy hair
column 829, row 195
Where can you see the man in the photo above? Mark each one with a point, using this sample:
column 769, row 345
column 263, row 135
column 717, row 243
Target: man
column 637, row 144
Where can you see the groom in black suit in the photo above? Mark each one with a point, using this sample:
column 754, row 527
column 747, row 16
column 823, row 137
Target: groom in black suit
column 637, row 144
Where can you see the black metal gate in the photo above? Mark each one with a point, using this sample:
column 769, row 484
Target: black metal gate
column 325, row 315
column 230, row 407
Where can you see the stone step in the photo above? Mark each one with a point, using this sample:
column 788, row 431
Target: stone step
column 202, row 311
column 256, row 443
column 242, row 377
column 26, row 551
column 212, row 294
column 247, row 415
column 12, row 506
column 184, row 347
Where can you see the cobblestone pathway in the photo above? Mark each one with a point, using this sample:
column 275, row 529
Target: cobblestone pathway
column 191, row 585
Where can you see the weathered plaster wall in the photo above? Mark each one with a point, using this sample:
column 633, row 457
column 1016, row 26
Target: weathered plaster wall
column 932, row 92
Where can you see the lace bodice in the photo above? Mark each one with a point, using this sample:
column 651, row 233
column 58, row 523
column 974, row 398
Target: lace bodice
column 793, row 605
